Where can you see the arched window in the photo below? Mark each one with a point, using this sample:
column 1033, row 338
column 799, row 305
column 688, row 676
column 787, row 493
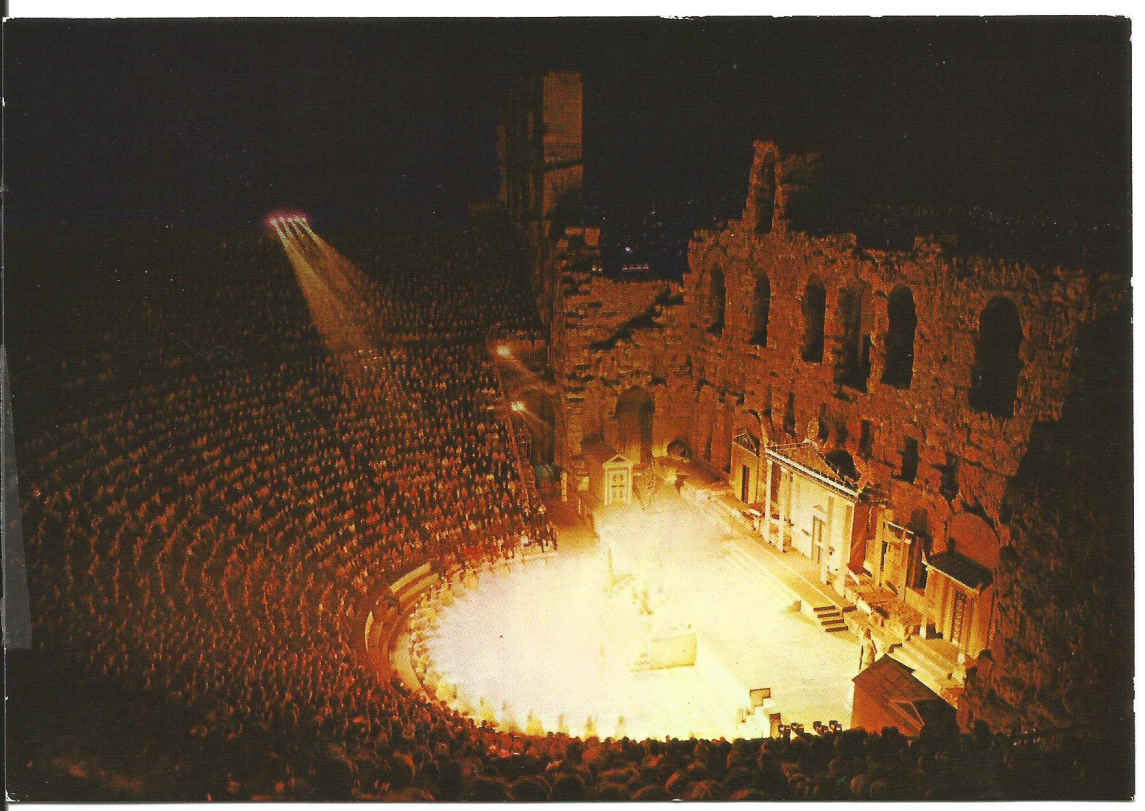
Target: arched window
column 900, row 338
column 765, row 196
column 994, row 379
column 853, row 365
column 634, row 413
column 678, row 449
column 814, row 313
column 761, row 309
column 717, row 299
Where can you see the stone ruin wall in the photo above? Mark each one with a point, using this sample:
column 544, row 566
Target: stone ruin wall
column 596, row 359
column 935, row 409
column 706, row 386
column 562, row 102
column 541, row 157
column 610, row 335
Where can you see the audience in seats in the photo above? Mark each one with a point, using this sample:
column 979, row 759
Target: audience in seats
column 212, row 503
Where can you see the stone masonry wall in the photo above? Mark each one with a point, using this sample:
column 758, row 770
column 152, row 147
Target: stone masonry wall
column 600, row 348
column 949, row 298
column 1063, row 649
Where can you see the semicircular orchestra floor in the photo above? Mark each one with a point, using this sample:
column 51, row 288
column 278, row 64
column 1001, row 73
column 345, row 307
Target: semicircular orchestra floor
column 562, row 643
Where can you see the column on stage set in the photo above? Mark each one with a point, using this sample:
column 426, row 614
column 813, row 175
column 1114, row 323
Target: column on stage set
column 767, row 500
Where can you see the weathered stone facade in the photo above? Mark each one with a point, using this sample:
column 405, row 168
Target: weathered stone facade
column 924, row 370
column 1062, row 652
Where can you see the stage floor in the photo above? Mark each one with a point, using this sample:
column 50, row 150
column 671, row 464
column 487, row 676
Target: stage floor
column 559, row 639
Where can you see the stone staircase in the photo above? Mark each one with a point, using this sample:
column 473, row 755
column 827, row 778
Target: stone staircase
column 739, row 563
column 830, row 618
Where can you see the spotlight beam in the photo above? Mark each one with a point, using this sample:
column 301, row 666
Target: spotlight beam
column 337, row 306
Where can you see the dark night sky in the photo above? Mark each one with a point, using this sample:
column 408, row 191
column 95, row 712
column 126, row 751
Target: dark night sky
column 218, row 122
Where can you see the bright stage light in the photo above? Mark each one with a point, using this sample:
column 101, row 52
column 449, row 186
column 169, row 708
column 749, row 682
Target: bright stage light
column 286, row 219
column 504, row 351
column 517, row 406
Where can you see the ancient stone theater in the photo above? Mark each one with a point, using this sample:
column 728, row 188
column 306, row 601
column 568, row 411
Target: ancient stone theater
column 871, row 415
column 548, row 498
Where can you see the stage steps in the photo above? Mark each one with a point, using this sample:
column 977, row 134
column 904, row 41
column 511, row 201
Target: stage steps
column 738, row 563
column 830, row 618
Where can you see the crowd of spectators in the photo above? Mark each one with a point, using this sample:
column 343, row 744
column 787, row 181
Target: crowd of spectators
column 209, row 517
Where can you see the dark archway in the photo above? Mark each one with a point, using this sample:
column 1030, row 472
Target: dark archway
column 902, row 322
column 634, row 410
column 854, row 361
column 760, row 310
column 994, row 380
column 678, row 449
column 814, row 314
column 717, row 302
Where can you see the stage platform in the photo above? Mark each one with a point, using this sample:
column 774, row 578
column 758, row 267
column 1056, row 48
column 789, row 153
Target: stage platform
column 560, row 640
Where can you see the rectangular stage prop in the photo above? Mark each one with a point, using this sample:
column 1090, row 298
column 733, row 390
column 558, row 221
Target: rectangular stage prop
column 672, row 647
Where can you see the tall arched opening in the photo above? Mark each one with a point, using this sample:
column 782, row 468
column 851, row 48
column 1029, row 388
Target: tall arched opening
column 994, row 380
column 634, row 412
column 760, row 310
column 901, row 324
column 814, row 314
column 854, row 360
